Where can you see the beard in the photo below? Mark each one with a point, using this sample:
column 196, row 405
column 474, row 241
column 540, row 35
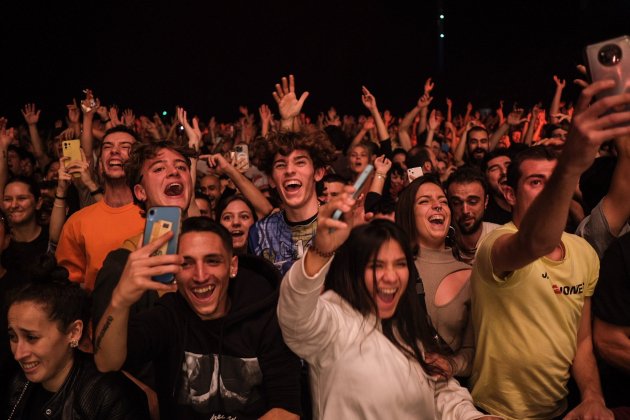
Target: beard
column 472, row 229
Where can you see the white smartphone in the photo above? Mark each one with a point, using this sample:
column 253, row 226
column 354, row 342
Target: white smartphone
column 358, row 186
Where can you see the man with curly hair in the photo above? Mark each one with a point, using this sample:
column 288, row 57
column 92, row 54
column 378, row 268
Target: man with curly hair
column 294, row 162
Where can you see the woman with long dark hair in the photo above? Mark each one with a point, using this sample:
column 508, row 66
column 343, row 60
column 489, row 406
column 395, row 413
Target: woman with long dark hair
column 423, row 212
column 364, row 337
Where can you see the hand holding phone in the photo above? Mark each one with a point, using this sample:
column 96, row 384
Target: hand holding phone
column 610, row 59
column 72, row 150
column 358, row 186
column 161, row 220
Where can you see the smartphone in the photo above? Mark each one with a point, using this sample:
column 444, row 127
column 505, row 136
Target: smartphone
column 358, row 186
column 72, row 149
column 240, row 157
column 413, row 173
column 159, row 221
column 610, row 60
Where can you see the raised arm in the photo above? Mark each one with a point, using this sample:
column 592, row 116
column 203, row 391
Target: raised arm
column 261, row 204
column 542, row 224
column 554, row 109
column 289, row 106
column 514, row 118
column 31, row 117
column 615, row 204
column 6, row 137
column 59, row 212
column 382, row 165
column 403, row 131
column 265, row 119
column 369, row 101
column 110, row 345
column 89, row 105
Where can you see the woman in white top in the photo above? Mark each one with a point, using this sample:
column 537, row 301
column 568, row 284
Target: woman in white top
column 363, row 336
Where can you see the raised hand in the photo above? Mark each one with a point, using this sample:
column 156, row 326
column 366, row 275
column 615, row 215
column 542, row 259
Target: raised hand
column 128, row 118
column 89, row 104
column 382, row 165
column 31, row 114
column 113, row 116
column 369, row 124
column 73, row 112
column 428, row 86
column 192, row 132
column 449, row 103
column 516, row 117
column 560, row 83
column 424, row 101
column 289, row 105
column 369, row 101
column 7, row 135
column 434, row 121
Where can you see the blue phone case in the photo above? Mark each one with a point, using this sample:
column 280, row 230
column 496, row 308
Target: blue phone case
column 170, row 218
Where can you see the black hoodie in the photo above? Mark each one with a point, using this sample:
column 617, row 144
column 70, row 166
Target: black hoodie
column 236, row 366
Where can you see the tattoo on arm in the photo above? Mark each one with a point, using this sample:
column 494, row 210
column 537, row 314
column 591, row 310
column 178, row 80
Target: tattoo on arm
column 97, row 344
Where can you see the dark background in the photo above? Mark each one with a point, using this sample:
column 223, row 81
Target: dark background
column 213, row 56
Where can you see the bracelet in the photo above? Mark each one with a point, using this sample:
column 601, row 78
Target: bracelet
column 59, row 205
column 97, row 191
column 322, row 254
column 106, row 121
column 59, row 198
column 380, row 175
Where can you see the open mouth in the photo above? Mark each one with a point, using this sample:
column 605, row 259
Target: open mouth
column 386, row 294
column 115, row 163
column 237, row 233
column 174, row 189
column 292, row 186
column 29, row 366
column 437, row 220
column 203, row 293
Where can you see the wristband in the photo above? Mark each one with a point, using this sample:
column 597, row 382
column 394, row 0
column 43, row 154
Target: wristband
column 97, row 191
column 380, row 175
column 59, row 198
column 106, row 121
column 321, row 253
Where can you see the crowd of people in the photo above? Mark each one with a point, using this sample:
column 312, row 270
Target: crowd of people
column 481, row 272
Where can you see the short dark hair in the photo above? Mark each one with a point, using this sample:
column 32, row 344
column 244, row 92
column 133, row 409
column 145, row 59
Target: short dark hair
column 122, row 129
column 316, row 143
column 473, row 130
column 491, row 155
column 467, row 175
column 229, row 199
column 405, row 216
column 33, row 188
column 206, row 224
column 48, row 285
column 531, row 153
column 141, row 152
column 334, row 178
column 346, row 277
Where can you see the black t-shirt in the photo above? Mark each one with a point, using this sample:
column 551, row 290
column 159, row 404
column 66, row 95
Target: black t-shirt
column 22, row 255
column 34, row 407
column 611, row 304
column 495, row 214
column 236, row 366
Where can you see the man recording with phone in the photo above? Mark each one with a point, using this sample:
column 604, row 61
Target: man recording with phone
column 216, row 345
column 539, row 281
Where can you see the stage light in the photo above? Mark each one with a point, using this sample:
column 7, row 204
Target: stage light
column 164, row 113
column 442, row 17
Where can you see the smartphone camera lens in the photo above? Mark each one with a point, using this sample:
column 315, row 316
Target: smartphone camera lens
column 609, row 55
column 151, row 212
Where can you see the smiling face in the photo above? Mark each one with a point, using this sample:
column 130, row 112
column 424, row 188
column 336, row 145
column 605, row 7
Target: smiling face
column 166, row 181
column 37, row 344
column 294, row 177
column 237, row 218
column 386, row 278
column 205, row 275
column 468, row 203
column 114, row 153
column 432, row 216
column 210, row 186
column 20, row 204
column 478, row 143
column 358, row 159
column 496, row 174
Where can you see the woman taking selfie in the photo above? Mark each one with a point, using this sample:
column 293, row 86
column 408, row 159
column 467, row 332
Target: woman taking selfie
column 47, row 319
column 364, row 336
column 423, row 212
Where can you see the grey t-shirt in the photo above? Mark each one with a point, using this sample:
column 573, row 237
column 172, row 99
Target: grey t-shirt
column 594, row 228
